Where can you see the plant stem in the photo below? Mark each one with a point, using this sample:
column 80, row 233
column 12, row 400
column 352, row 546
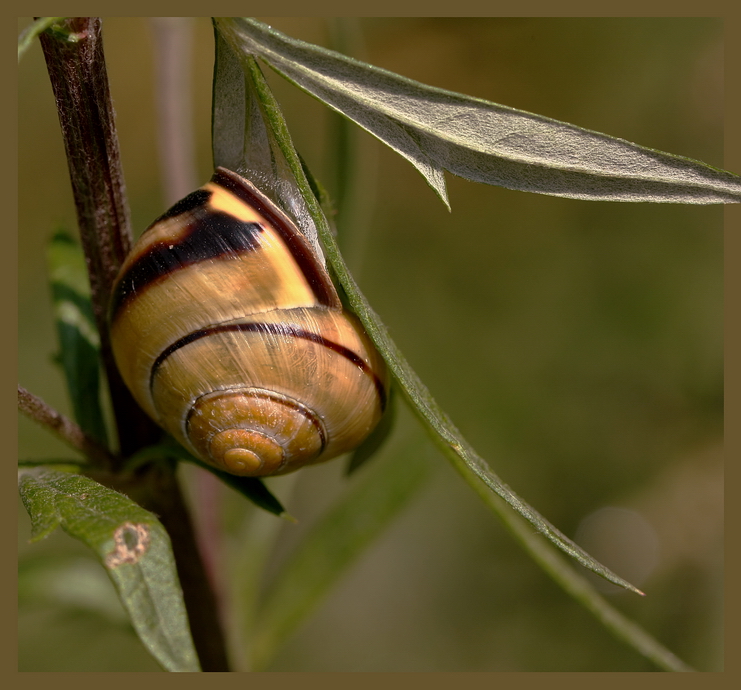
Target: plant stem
column 76, row 65
column 73, row 50
column 63, row 427
column 162, row 495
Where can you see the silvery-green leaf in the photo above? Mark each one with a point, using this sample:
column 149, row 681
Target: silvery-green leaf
column 243, row 142
column 463, row 457
column 439, row 130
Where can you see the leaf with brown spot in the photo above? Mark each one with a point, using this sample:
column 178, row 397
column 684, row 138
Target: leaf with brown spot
column 132, row 545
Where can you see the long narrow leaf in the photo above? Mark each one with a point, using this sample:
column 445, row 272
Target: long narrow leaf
column 79, row 343
column 280, row 619
column 130, row 543
column 252, row 488
column 439, row 130
column 243, row 142
column 463, row 457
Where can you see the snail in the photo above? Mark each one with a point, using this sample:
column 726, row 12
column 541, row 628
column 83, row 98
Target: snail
column 230, row 334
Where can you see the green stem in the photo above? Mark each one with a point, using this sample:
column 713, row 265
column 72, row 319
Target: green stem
column 575, row 585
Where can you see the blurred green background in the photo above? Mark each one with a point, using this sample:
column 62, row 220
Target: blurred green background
column 577, row 345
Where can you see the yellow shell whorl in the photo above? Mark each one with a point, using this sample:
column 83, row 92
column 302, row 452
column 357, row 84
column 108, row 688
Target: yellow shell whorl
column 253, row 432
column 223, row 318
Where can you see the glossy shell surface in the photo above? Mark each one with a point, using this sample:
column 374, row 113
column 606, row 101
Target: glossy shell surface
column 230, row 334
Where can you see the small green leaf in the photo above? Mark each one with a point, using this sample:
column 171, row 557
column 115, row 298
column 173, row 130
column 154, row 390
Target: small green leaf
column 337, row 541
column 251, row 488
column 78, row 336
column 438, row 130
column 130, row 543
column 32, row 31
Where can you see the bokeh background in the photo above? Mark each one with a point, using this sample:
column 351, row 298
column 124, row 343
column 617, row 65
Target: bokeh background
column 577, row 345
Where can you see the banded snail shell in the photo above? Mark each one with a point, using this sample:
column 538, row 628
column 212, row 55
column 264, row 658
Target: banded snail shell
column 229, row 333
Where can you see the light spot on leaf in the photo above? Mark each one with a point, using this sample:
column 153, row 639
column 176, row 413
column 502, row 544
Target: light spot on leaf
column 131, row 543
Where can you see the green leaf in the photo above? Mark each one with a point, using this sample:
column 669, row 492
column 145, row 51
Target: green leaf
column 439, row 130
column 130, row 543
column 472, row 467
column 32, row 31
column 79, row 341
column 464, row 458
column 469, row 464
column 251, row 488
column 337, row 541
column 251, row 138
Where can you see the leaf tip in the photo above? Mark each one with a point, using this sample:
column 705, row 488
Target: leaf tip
column 40, row 535
column 626, row 585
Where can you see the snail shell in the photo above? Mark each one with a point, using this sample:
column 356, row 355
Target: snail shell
column 229, row 333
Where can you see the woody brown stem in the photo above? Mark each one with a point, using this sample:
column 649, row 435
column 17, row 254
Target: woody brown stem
column 73, row 50
column 69, row 432
column 76, row 66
